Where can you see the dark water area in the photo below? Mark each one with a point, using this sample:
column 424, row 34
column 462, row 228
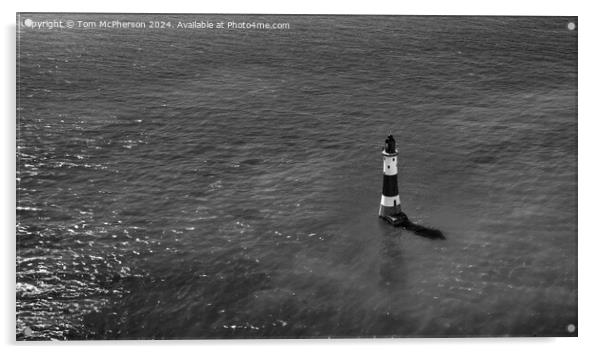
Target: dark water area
column 226, row 183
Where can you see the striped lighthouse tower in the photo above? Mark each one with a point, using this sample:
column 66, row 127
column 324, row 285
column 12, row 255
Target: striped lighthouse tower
column 389, row 202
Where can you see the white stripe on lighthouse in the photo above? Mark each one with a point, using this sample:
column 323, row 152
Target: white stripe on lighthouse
column 390, row 165
column 389, row 201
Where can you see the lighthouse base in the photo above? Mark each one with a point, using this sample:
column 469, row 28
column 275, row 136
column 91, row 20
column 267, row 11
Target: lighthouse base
column 389, row 210
column 398, row 219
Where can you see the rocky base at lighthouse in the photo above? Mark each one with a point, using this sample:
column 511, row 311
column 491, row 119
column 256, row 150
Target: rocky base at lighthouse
column 390, row 206
column 397, row 219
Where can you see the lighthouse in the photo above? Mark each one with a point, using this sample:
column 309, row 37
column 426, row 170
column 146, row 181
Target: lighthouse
column 390, row 208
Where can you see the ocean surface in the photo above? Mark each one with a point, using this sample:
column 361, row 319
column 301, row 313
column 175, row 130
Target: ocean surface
column 197, row 183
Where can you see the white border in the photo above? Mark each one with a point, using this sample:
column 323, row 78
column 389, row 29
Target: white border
column 589, row 173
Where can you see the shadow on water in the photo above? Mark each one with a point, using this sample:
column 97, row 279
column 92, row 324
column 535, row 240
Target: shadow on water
column 423, row 231
column 402, row 220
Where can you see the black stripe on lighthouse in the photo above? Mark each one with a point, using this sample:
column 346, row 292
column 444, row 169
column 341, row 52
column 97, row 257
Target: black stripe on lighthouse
column 390, row 186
